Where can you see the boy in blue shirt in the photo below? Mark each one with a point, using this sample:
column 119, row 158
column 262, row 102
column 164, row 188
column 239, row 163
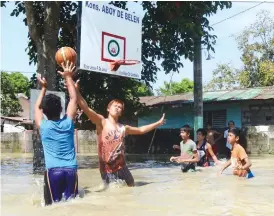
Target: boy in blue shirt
column 57, row 137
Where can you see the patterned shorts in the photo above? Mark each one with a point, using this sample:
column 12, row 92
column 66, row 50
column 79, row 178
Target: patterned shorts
column 122, row 174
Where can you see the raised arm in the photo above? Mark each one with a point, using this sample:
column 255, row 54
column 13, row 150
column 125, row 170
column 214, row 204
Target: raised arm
column 68, row 69
column 94, row 117
column 144, row 129
column 38, row 113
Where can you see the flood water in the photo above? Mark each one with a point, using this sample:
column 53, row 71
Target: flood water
column 161, row 189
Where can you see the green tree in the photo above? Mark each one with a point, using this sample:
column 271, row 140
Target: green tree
column 20, row 83
column 224, row 77
column 168, row 32
column 257, row 45
column 185, row 85
column 33, row 82
column 9, row 89
column 144, row 90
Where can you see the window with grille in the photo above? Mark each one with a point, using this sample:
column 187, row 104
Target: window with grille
column 216, row 118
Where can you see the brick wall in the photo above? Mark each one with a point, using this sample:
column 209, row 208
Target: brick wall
column 258, row 113
column 16, row 142
column 87, row 141
column 256, row 139
column 22, row 142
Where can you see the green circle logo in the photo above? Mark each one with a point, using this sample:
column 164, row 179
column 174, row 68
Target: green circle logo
column 113, row 48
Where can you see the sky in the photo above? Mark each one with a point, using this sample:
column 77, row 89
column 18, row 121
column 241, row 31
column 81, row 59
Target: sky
column 14, row 41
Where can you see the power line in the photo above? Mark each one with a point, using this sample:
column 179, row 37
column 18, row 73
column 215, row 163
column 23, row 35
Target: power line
column 211, row 25
column 238, row 13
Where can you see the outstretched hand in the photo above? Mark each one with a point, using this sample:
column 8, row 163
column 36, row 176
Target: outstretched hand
column 175, row 159
column 172, row 159
column 176, row 147
column 218, row 162
column 68, row 69
column 162, row 120
column 42, row 81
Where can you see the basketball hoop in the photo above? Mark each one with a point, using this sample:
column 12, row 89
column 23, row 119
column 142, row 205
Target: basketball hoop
column 115, row 64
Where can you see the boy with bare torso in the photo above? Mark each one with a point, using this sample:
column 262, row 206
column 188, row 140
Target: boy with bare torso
column 110, row 139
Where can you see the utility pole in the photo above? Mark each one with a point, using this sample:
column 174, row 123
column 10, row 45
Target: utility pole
column 198, row 85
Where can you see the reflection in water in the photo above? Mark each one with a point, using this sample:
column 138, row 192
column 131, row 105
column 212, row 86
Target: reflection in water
column 161, row 189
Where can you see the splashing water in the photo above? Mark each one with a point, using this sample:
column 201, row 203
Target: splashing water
column 161, row 189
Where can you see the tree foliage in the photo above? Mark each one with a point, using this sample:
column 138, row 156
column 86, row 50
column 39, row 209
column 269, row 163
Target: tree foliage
column 20, row 83
column 172, row 88
column 11, row 85
column 167, row 34
column 257, row 45
column 144, row 90
column 224, row 77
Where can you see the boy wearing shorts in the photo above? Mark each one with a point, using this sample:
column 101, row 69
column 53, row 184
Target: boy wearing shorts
column 57, row 135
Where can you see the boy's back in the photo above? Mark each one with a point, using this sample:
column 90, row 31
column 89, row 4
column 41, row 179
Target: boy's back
column 57, row 135
column 58, row 142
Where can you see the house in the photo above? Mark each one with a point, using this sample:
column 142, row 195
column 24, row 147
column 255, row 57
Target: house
column 16, row 124
column 251, row 109
column 25, row 104
column 246, row 107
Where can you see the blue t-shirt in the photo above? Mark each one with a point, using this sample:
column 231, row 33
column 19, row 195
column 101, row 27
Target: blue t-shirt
column 58, row 143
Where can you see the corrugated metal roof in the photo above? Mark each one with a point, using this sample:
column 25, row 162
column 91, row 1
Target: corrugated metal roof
column 262, row 93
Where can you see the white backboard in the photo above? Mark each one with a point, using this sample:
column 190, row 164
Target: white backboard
column 110, row 33
column 34, row 93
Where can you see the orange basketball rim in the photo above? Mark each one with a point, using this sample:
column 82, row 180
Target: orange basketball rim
column 115, row 64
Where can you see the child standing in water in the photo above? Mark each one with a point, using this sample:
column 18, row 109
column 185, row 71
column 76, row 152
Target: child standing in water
column 211, row 135
column 239, row 159
column 110, row 139
column 57, row 137
column 204, row 149
column 189, row 155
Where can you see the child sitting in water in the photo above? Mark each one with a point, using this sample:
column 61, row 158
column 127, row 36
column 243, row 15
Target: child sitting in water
column 204, row 149
column 57, row 137
column 239, row 159
column 189, row 155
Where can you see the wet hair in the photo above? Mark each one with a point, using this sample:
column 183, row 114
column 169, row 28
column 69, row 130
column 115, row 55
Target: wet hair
column 186, row 128
column 231, row 122
column 51, row 106
column 117, row 101
column 234, row 131
column 202, row 131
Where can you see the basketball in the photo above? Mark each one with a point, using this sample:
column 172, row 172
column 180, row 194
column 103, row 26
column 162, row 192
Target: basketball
column 65, row 54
